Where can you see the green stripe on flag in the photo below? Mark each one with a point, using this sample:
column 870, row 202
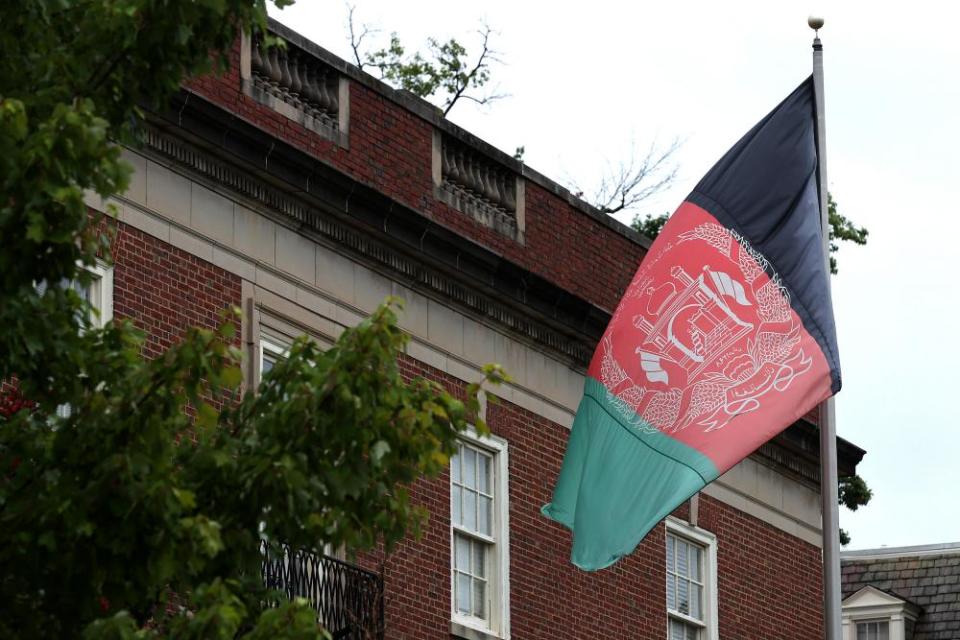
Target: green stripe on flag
column 618, row 481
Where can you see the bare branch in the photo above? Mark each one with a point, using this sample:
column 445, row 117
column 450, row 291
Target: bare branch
column 635, row 179
column 477, row 75
column 356, row 41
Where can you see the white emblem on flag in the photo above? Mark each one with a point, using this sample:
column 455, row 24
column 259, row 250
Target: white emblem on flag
column 729, row 287
column 650, row 363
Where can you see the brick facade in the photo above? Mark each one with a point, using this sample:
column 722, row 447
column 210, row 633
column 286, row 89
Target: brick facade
column 165, row 290
column 390, row 150
column 769, row 581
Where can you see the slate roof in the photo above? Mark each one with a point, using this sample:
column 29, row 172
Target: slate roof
column 928, row 576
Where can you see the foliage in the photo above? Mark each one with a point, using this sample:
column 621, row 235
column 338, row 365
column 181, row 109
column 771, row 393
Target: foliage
column 650, row 225
column 840, row 229
column 123, row 515
column 445, row 73
column 853, row 493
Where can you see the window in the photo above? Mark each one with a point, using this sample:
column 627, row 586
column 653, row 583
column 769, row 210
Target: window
column 873, row 630
column 691, row 563
column 479, row 544
column 272, row 350
column 98, row 292
column 872, row 614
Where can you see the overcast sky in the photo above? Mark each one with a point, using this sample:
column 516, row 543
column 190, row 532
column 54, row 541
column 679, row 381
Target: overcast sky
column 590, row 80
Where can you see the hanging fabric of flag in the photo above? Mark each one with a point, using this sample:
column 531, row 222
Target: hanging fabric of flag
column 723, row 339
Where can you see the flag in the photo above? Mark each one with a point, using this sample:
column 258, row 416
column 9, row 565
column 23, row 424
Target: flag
column 724, row 337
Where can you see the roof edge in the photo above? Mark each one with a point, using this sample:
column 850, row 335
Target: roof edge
column 434, row 115
column 884, row 553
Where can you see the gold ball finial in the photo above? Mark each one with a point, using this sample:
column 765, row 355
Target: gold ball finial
column 815, row 22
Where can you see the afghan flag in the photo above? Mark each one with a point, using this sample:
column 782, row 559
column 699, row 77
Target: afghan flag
column 723, row 339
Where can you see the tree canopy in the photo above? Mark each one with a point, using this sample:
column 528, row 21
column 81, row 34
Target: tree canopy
column 135, row 493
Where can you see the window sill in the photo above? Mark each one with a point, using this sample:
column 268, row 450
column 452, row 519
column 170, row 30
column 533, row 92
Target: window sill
column 463, row 632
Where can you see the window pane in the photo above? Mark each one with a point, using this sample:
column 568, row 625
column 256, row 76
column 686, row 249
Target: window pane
column 463, row 593
column 682, row 631
column 462, row 559
column 671, row 566
column 469, row 509
column 484, row 526
column 483, row 473
column 671, row 592
column 861, row 631
column 455, row 465
column 480, row 599
column 682, row 555
column 479, row 567
column 883, row 631
column 696, row 557
column 696, row 599
column 455, row 504
column 683, row 596
column 469, row 468
column 267, row 364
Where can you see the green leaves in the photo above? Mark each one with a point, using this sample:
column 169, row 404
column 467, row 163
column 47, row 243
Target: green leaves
column 136, row 491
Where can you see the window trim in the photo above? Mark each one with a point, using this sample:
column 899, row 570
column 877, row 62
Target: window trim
column 708, row 541
column 101, row 294
column 269, row 343
column 498, row 582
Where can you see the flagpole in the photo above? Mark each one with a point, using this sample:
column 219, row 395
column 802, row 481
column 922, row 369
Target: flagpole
column 828, row 433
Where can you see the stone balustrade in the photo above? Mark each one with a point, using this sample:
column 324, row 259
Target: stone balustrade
column 297, row 78
column 478, row 185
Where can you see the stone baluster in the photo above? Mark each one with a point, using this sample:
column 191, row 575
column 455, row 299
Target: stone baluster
column 256, row 60
column 296, row 85
column 333, row 90
column 509, row 189
column 274, row 75
column 285, row 78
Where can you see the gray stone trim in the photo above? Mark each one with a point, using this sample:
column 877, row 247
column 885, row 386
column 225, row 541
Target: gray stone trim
column 310, row 218
column 464, row 632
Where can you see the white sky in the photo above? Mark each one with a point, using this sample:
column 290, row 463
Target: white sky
column 587, row 78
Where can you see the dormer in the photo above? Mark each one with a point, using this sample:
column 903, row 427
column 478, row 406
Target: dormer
column 872, row 614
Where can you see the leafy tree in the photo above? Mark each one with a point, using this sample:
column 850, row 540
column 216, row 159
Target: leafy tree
column 445, row 73
column 840, row 229
column 121, row 514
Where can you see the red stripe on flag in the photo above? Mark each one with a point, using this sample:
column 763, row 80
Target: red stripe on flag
column 705, row 345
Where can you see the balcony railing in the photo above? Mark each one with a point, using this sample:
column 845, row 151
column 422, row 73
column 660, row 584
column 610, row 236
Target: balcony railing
column 348, row 600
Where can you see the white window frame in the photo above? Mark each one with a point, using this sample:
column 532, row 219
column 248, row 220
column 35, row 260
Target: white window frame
column 708, row 542
column 101, row 293
column 498, row 573
column 270, row 344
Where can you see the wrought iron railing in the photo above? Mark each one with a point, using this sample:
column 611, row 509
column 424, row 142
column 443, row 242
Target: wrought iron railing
column 348, row 600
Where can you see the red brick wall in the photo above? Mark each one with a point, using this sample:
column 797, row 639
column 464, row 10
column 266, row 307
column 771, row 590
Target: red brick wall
column 390, row 150
column 165, row 290
column 768, row 581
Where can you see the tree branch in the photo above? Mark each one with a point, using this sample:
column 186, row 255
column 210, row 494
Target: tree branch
column 464, row 81
column 356, row 41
